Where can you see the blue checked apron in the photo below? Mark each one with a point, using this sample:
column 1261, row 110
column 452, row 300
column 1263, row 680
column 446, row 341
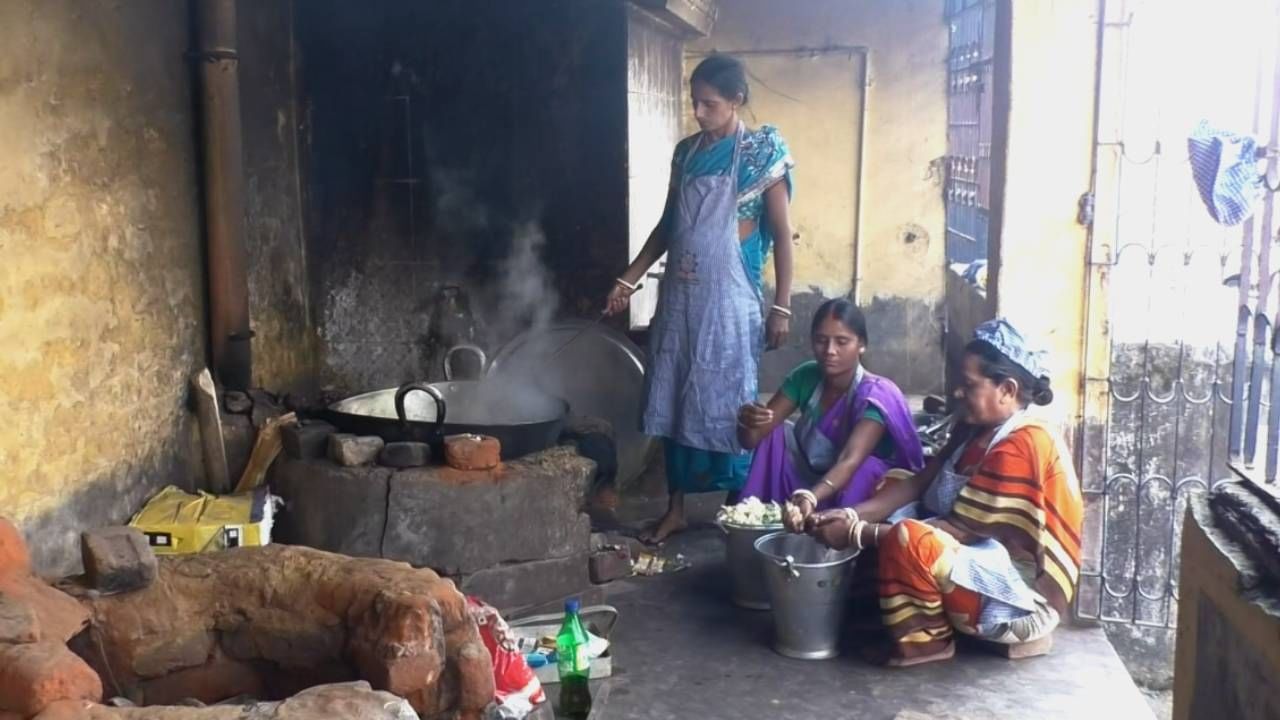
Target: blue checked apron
column 708, row 330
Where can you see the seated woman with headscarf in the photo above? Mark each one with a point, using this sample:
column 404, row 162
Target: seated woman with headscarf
column 998, row 555
column 853, row 427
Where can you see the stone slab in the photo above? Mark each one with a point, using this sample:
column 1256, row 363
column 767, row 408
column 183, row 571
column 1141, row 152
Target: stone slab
column 329, row 507
column 521, row 584
column 459, row 523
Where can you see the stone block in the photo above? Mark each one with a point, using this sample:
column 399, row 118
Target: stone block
column 529, row 509
column 307, row 440
column 472, row 452
column 18, row 622
column 35, row 675
column 528, row 583
column 14, row 557
column 350, row 701
column 352, row 450
column 330, row 507
column 117, row 559
column 405, row 455
column 609, row 564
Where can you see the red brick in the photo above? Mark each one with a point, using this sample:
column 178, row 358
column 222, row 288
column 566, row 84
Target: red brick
column 59, row 617
column 472, row 452
column 14, row 557
column 18, row 622
column 35, row 675
column 475, row 670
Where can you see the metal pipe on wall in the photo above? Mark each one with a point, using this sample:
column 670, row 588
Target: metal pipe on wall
column 223, row 156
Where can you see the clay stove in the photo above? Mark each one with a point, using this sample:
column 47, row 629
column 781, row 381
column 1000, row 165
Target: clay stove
column 515, row 536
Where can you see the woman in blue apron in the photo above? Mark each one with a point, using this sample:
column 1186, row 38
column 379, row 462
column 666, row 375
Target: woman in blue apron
column 728, row 202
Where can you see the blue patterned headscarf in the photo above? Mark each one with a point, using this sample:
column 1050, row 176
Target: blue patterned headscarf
column 1003, row 336
column 1225, row 168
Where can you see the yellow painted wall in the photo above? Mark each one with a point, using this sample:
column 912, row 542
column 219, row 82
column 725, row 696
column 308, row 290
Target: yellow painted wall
column 1041, row 285
column 902, row 248
column 906, row 131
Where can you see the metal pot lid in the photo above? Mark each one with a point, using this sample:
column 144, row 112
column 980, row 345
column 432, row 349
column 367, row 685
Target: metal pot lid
column 601, row 374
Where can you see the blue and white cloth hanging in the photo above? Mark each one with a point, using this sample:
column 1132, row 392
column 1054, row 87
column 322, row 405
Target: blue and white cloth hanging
column 1225, row 168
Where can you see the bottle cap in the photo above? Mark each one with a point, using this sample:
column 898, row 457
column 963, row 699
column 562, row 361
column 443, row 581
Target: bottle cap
column 572, row 605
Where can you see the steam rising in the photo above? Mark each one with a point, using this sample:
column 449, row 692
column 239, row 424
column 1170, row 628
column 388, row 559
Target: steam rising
column 525, row 298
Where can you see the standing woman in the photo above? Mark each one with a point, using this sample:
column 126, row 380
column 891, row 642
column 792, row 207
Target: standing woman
column 726, row 207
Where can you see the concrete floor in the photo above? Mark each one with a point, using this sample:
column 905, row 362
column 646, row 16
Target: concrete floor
column 682, row 651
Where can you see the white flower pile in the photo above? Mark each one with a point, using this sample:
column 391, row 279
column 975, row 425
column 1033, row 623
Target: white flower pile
column 750, row 513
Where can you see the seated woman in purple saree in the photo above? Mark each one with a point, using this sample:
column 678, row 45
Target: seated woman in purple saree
column 854, row 426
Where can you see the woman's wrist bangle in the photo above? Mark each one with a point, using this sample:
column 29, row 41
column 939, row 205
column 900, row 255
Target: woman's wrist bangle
column 829, row 484
column 875, row 540
column 855, row 534
column 805, row 495
column 780, row 310
column 629, row 286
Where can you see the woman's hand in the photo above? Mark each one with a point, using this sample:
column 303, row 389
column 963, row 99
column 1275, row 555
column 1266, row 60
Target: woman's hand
column 777, row 328
column 754, row 415
column 831, row 528
column 619, row 299
column 796, row 513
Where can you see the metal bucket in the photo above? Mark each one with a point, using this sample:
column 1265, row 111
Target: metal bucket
column 808, row 588
column 746, row 569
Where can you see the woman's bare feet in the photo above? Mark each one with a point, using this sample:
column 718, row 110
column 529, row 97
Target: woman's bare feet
column 670, row 524
column 944, row 654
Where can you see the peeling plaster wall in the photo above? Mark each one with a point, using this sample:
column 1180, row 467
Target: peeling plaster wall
column 902, row 245
column 101, row 312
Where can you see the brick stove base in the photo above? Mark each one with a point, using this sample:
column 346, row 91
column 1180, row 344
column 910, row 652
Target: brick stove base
column 516, row 536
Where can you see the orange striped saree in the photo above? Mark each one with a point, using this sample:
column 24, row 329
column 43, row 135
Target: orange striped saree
column 1024, row 495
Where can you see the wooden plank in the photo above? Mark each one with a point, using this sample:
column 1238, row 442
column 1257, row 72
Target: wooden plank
column 211, row 440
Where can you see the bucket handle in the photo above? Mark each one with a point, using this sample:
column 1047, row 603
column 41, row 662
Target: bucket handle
column 788, row 565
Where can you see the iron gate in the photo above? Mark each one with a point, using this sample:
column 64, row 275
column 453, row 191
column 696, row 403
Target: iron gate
column 1181, row 377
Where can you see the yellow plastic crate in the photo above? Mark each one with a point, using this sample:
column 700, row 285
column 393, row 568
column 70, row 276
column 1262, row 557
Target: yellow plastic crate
column 178, row 523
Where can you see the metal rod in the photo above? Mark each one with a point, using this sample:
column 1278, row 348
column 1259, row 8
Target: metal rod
column 1237, row 425
column 858, row 220
column 1268, row 227
column 229, row 332
column 800, row 50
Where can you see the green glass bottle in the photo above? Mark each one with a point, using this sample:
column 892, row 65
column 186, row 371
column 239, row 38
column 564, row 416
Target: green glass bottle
column 574, row 665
